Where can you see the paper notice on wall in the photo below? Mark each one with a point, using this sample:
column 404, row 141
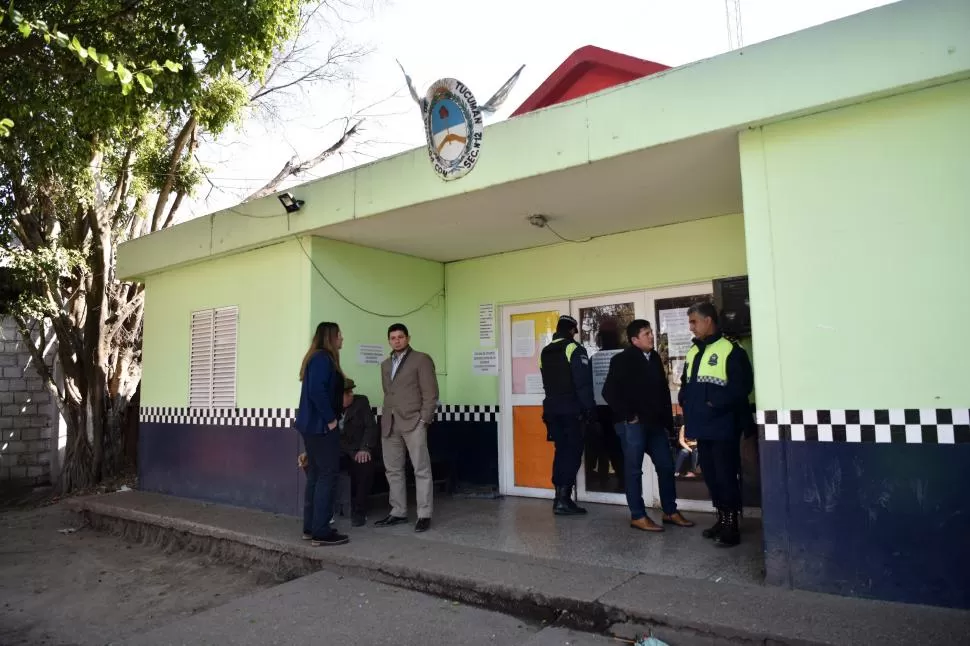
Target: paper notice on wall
column 485, row 362
column 486, row 324
column 675, row 324
column 533, row 384
column 523, row 339
column 601, row 367
column 370, row 355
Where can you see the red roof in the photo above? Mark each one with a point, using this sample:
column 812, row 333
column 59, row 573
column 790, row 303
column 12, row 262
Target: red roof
column 589, row 69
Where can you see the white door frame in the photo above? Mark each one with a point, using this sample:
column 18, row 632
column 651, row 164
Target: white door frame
column 506, row 443
column 644, row 301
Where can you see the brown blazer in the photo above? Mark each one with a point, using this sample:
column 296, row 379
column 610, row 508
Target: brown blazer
column 412, row 395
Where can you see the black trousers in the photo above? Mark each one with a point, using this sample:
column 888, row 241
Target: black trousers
column 720, row 462
column 361, row 481
column 567, row 433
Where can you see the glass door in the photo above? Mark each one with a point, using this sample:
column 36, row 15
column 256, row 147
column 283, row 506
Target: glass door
column 667, row 312
column 602, row 331
column 526, row 455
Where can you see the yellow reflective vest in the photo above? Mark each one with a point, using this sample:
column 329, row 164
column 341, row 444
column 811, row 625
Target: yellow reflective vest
column 713, row 365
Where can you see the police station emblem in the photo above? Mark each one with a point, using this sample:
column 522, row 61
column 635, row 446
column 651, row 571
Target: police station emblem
column 713, row 360
column 453, row 125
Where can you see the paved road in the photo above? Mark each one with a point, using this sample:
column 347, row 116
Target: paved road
column 326, row 608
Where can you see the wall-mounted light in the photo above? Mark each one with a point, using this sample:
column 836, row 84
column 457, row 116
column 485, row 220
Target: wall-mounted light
column 290, row 203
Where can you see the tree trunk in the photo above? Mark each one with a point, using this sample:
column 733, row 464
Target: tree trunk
column 115, row 449
column 76, row 472
column 96, row 442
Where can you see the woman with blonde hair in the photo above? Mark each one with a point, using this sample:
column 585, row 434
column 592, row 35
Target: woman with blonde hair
column 321, row 402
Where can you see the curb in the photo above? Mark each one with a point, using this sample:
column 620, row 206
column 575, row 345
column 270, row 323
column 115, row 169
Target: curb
column 288, row 561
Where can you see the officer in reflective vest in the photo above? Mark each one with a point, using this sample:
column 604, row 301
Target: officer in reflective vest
column 714, row 389
column 568, row 407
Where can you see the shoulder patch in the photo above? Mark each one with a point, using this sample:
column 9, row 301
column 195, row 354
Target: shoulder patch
column 584, row 359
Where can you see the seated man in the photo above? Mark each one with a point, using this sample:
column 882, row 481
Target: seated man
column 358, row 441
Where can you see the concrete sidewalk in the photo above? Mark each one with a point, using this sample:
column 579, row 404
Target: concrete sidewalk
column 326, row 608
column 582, row 595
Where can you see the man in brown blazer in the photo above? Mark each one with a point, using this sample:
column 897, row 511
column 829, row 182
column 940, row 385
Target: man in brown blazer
column 410, row 404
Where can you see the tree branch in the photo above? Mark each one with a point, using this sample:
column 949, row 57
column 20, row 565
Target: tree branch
column 178, row 147
column 293, row 168
column 117, row 321
column 175, row 207
column 37, row 354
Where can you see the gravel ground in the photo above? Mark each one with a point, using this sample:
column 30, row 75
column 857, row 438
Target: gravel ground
column 81, row 587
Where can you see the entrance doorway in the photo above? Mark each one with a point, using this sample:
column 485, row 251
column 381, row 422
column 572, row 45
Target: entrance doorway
column 525, row 456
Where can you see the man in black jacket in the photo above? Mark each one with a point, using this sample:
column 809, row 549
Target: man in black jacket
column 636, row 390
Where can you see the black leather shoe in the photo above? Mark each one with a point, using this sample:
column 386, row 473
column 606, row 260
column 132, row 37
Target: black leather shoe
column 390, row 520
column 423, row 525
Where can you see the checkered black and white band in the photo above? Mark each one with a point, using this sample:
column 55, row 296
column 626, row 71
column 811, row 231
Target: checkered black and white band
column 880, row 426
column 283, row 417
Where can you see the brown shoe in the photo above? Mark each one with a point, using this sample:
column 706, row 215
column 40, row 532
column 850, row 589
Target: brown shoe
column 677, row 519
column 646, row 525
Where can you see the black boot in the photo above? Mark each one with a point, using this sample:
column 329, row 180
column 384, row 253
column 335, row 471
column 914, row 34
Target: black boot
column 715, row 530
column 564, row 506
column 730, row 534
column 576, row 509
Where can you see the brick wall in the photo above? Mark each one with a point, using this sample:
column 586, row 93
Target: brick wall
column 27, row 414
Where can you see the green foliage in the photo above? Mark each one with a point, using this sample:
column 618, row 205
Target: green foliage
column 106, row 72
column 221, row 103
column 90, row 155
column 155, row 64
column 26, row 274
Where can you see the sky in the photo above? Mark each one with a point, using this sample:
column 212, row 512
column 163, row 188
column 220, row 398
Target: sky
column 481, row 44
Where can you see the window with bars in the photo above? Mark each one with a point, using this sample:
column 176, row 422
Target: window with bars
column 212, row 367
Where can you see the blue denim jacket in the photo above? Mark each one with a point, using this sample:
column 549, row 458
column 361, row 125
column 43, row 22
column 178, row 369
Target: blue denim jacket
column 320, row 396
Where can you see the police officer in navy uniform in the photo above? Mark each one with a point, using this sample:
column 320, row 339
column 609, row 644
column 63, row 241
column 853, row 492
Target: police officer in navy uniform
column 715, row 385
column 568, row 408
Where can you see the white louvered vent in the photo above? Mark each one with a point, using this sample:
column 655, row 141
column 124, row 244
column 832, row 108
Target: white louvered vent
column 200, row 365
column 212, row 368
column 224, row 358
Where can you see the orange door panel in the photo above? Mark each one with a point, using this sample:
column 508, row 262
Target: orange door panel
column 533, row 453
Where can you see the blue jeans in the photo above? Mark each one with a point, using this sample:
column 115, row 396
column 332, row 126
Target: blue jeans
column 682, row 455
column 323, row 456
column 638, row 441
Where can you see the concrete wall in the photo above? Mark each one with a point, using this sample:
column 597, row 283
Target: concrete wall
column 248, row 456
column 665, row 256
column 27, row 414
column 392, row 288
column 857, row 233
column 270, row 286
